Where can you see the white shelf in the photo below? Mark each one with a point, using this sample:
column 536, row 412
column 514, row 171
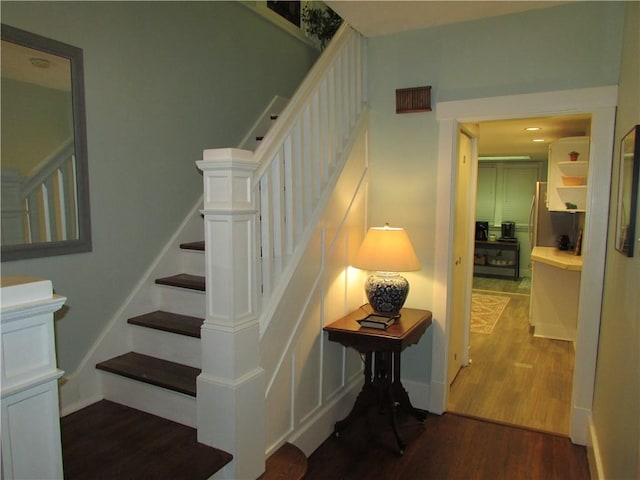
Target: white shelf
column 580, row 165
column 559, row 166
column 572, row 187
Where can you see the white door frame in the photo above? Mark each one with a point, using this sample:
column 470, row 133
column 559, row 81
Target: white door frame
column 600, row 102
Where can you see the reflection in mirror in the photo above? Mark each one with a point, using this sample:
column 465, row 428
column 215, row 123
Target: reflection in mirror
column 628, row 191
column 45, row 192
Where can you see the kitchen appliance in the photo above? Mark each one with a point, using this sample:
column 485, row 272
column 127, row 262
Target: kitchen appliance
column 546, row 227
column 482, row 231
column 508, row 231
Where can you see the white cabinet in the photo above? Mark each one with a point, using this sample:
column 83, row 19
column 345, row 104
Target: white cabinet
column 568, row 178
column 31, row 446
column 555, row 293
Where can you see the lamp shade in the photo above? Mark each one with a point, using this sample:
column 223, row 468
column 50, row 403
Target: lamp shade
column 386, row 249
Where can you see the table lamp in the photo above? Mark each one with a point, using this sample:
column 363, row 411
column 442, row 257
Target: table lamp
column 386, row 251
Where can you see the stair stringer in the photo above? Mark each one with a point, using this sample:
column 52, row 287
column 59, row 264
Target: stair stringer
column 311, row 383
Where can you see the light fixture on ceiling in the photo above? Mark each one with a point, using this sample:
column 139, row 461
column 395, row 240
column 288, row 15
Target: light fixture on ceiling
column 40, row 62
column 533, row 129
column 538, row 140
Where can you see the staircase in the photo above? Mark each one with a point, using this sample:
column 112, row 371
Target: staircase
column 196, row 356
column 159, row 374
column 164, row 377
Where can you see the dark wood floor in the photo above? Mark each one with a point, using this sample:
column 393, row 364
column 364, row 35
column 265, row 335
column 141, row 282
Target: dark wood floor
column 447, row 447
column 110, row 441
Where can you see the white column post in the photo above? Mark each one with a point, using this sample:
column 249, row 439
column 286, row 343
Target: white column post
column 231, row 389
column 31, row 446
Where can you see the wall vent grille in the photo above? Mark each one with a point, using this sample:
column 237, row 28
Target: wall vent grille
column 411, row 100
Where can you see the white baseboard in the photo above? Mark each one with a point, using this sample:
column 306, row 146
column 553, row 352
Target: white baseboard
column 79, row 405
column 418, row 393
column 319, row 427
column 437, row 396
column 593, row 453
column 579, row 429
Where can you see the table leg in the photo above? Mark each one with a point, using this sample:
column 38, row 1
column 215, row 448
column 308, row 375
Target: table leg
column 382, row 386
column 400, row 395
column 365, row 399
column 383, row 383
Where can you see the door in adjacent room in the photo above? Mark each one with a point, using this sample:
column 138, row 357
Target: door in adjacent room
column 461, row 268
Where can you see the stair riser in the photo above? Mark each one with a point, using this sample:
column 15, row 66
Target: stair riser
column 187, row 302
column 167, row 346
column 192, row 262
column 158, row 401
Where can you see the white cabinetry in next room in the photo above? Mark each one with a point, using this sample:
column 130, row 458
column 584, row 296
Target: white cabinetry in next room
column 568, row 178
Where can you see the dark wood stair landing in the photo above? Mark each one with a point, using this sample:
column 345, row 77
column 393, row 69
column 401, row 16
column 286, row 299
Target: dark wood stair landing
column 154, row 371
column 110, row 441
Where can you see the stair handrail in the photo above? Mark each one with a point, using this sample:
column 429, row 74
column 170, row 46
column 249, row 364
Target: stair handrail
column 299, row 156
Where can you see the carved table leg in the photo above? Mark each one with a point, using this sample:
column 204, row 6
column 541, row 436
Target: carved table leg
column 400, row 394
column 365, row 399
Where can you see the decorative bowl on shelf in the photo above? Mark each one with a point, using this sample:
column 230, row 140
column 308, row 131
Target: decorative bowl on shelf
column 572, row 181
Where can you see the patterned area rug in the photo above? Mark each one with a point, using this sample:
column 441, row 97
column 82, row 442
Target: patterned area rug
column 486, row 311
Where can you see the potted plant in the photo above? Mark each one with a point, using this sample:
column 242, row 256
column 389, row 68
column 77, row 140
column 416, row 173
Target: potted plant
column 573, row 156
column 321, row 23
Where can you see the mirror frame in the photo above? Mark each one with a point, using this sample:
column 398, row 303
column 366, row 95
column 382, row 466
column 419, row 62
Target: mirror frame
column 75, row 56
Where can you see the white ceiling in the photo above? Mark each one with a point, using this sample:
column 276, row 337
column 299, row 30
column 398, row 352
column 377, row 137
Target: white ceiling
column 509, row 137
column 25, row 64
column 497, row 138
column 383, row 17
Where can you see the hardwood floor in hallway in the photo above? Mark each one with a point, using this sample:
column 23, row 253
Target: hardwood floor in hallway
column 514, row 377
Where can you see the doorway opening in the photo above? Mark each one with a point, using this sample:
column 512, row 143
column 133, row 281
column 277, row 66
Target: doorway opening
column 600, row 103
column 512, row 375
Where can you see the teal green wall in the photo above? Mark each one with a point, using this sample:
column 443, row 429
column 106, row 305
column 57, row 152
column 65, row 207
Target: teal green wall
column 616, row 398
column 163, row 81
column 576, row 45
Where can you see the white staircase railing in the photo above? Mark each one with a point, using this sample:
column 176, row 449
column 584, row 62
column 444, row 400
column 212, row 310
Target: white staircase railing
column 49, row 199
column 260, row 209
column 297, row 158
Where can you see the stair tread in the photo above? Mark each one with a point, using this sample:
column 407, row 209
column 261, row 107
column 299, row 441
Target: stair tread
column 162, row 373
column 193, row 245
column 109, row 440
column 184, row 280
column 169, row 322
column 287, row 462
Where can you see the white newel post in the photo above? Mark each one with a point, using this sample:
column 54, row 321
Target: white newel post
column 31, row 446
column 231, row 389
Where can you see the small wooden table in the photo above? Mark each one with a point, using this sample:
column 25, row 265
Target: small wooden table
column 382, row 349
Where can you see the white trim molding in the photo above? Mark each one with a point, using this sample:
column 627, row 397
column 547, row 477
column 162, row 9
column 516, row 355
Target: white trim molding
column 601, row 103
